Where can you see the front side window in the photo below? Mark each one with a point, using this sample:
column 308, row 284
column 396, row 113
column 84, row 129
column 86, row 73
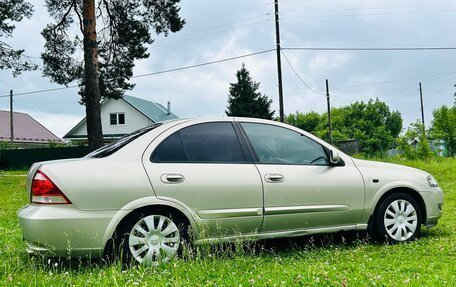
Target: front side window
column 202, row 143
column 278, row 145
column 117, row 119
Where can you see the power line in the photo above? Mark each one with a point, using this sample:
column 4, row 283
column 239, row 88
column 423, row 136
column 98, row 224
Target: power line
column 238, row 24
column 204, row 64
column 370, row 8
column 258, row 53
column 228, row 13
column 369, row 48
column 367, row 14
column 439, row 92
column 201, row 33
column 310, row 103
column 297, row 75
column 3, row 47
column 155, row 73
column 40, row 91
column 171, row 41
column 395, row 81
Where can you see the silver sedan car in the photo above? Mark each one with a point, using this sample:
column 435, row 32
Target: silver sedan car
column 222, row 179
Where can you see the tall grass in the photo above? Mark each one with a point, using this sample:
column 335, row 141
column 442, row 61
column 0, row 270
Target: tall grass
column 346, row 259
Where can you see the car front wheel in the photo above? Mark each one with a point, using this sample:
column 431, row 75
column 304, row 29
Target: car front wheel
column 398, row 218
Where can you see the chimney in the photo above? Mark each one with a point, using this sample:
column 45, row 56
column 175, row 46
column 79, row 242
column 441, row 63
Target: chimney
column 169, row 108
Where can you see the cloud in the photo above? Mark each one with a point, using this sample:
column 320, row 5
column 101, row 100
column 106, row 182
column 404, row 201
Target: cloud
column 203, row 91
column 228, row 32
column 323, row 62
column 58, row 124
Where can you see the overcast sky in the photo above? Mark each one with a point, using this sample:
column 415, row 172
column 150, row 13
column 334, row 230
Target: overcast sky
column 217, row 30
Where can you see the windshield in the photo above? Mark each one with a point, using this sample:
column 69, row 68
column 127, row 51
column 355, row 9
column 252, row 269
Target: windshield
column 123, row 141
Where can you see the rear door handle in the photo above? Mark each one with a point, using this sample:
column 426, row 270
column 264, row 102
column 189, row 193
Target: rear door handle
column 274, row 178
column 172, row 178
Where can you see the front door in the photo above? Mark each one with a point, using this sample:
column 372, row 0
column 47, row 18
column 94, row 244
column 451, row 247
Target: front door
column 301, row 189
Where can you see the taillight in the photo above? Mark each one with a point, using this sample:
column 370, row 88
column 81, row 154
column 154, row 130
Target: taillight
column 45, row 191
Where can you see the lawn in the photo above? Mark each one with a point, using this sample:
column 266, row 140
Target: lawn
column 347, row 259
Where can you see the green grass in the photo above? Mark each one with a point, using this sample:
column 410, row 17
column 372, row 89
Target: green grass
column 331, row 260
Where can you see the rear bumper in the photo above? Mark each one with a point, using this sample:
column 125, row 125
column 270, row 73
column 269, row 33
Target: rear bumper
column 63, row 230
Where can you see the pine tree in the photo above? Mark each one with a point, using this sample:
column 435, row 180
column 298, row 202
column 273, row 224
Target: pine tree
column 112, row 35
column 13, row 11
column 244, row 100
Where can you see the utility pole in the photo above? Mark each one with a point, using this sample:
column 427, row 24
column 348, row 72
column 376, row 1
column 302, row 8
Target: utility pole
column 11, row 117
column 279, row 62
column 422, row 111
column 329, row 114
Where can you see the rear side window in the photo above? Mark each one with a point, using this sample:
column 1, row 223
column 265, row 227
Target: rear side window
column 202, row 143
column 120, row 143
column 170, row 150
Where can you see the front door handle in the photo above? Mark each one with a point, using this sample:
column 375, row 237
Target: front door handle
column 172, row 178
column 274, row 177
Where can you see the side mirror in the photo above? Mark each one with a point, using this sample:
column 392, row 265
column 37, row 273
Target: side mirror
column 334, row 156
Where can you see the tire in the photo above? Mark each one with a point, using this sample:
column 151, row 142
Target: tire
column 151, row 237
column 397, row 219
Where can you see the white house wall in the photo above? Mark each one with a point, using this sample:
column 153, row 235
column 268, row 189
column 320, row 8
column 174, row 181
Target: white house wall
column 133, row 119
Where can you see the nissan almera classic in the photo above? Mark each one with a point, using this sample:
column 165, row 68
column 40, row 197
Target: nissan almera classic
column 223, row 179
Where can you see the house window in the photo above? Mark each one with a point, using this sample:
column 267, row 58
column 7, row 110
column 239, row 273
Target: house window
column 117, row 119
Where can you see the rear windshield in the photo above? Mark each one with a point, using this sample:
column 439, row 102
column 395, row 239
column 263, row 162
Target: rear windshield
column 120, row 143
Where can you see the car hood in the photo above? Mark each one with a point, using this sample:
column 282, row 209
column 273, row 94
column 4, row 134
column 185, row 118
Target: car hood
column 384, row 165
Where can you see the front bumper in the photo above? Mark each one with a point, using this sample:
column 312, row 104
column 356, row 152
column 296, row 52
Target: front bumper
column 63, row 230
column 433, row 200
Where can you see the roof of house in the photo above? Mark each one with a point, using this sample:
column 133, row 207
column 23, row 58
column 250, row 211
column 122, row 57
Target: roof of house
column 26, row 129
column 153, row 111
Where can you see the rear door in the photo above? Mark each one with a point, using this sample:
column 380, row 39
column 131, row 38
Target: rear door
column 208, row 169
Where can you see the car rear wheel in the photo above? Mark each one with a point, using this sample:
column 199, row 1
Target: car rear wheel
column 398, row 218
column 152, row 238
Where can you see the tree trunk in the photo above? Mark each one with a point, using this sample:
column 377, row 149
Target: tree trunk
column 91, row 90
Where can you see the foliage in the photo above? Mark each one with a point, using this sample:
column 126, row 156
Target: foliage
column 109, row 52
column 7, row 145
column 444, row 128
column 10, row 59
column 372, row 124
column 331, row 260
column 309, row 122
column 245, row 101
column 422, row 149
column 55, row 144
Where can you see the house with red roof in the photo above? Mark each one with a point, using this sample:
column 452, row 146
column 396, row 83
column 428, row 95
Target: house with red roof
column 26, row 130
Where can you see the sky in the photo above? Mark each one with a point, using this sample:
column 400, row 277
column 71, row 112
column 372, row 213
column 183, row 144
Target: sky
column 217, row 30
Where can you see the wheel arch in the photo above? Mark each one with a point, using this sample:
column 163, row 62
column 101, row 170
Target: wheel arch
column 149, row 209
column 126, row 214
column 407, row 190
